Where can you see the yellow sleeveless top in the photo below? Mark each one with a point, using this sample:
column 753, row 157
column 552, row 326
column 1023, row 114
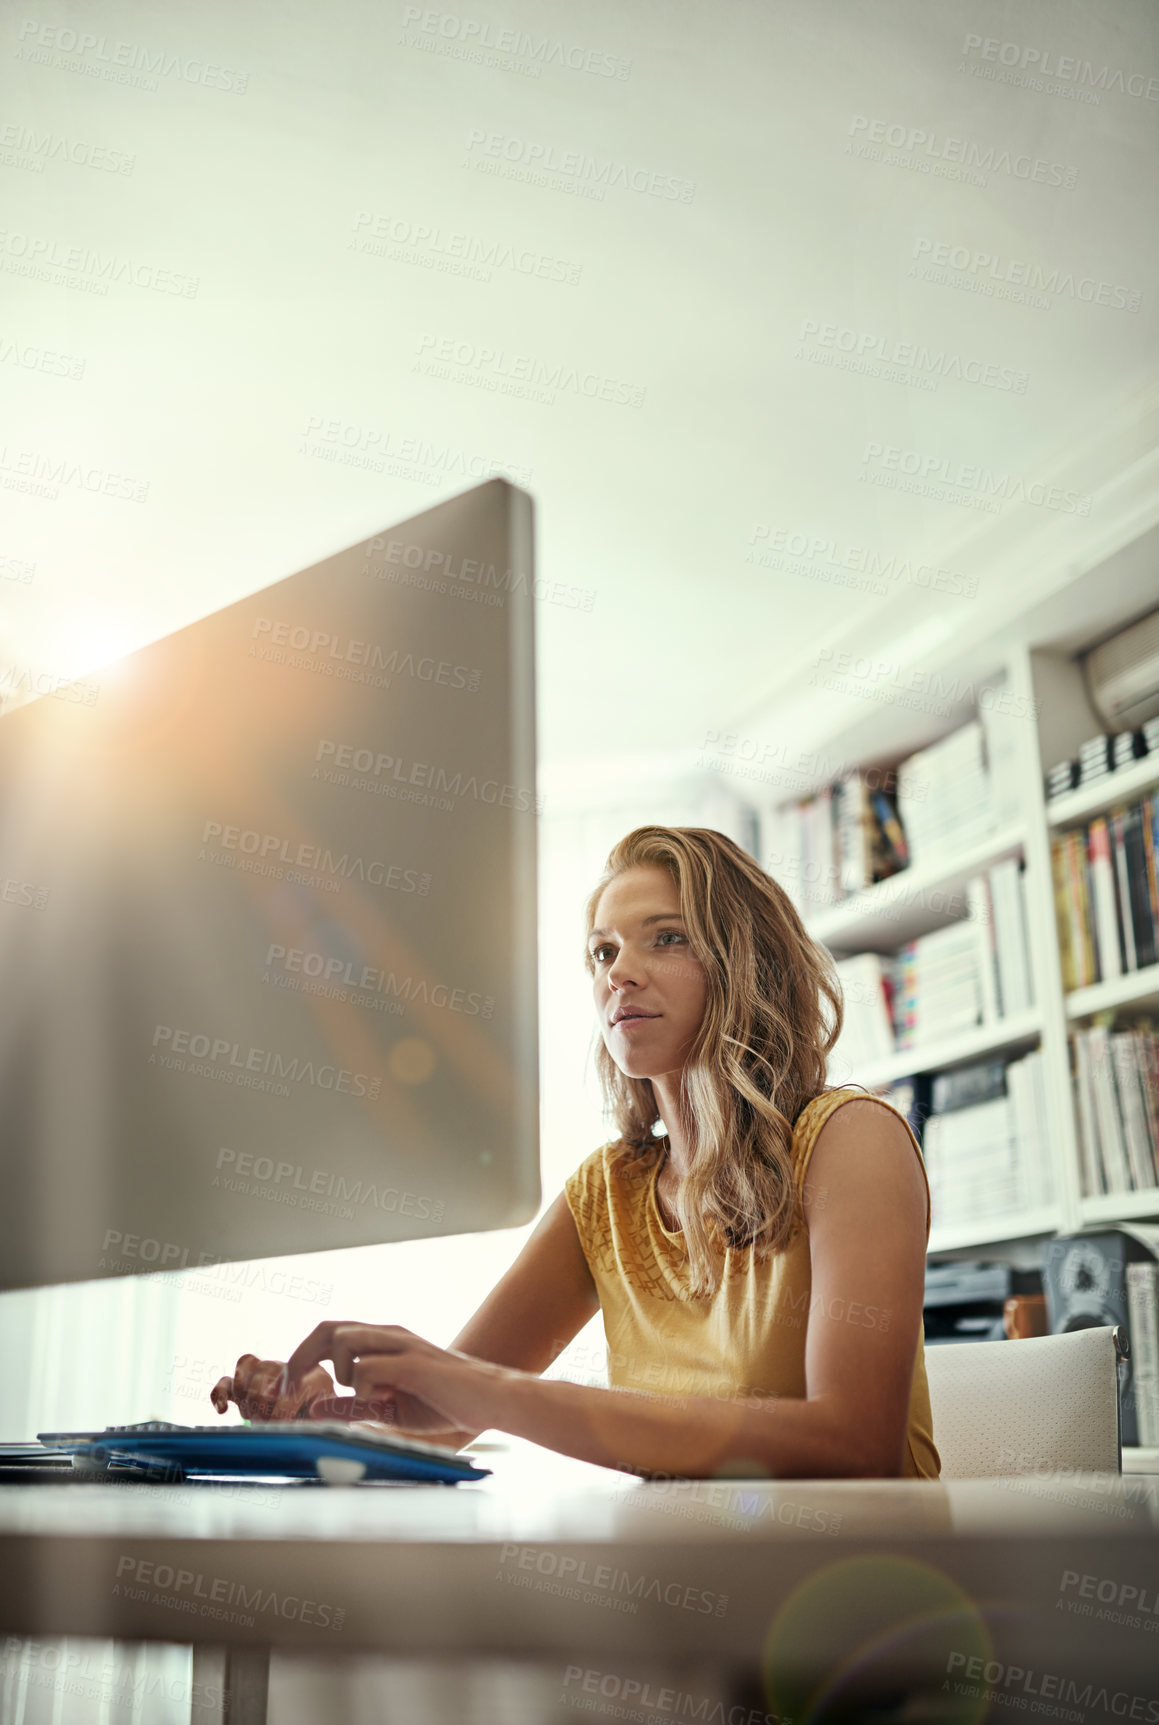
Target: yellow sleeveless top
column 746, row 1339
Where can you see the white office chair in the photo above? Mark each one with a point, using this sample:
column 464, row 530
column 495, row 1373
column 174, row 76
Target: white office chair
column 1041, row 1405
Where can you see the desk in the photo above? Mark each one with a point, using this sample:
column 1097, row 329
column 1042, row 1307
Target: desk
column 593, row 1572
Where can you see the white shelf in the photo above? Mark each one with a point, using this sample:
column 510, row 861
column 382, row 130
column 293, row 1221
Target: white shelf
column 1041, row 675
column 1017, row 1032
column 1125, row 786
column 883, row 917
column 1119, row 1206
column 994, row 1230
column 1136, row 988
column 1139, row 1460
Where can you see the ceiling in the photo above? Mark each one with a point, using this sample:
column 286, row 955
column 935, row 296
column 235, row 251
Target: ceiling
column 748, row 233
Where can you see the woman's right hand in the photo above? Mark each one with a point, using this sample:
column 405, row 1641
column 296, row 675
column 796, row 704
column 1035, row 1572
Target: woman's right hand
column 256, row 1388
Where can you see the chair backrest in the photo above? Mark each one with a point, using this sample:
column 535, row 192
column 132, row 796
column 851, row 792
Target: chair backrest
column 1039, row 1405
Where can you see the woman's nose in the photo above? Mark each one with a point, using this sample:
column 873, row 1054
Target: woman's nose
column 623, row 969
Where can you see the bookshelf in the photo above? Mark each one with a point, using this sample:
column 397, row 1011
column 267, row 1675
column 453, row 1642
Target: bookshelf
column 1137, row 988
column 994, row 1232
column 1007, row 1036
column 1036, row 664
column 1124, row 786
column 911, row 903
column 1119, row 1206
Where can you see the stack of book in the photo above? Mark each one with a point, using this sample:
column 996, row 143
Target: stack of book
column 971, row 972
column 975, row 971
column 1106, row 894
column 1002, row 891
column 869, row 843
column 1095, row 759
column 823, row 848
column 985, row 1142
column 1060, row 779
column 937, row 986
column 873, row 822
column 1109, row 752
column 867, row 1028
column 944, row 794
column 1116, row 1086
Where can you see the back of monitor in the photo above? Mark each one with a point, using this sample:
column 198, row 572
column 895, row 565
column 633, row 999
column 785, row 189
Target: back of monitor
column 267, row 920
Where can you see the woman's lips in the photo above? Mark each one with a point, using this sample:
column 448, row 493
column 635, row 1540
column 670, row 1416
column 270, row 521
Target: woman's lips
column 636, row 1018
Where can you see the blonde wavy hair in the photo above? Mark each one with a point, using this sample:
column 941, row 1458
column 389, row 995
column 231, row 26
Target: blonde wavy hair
column 759, row 1055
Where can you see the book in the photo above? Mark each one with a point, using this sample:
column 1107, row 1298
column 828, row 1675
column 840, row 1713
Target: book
column 1060, row 779
column 1094, row 1179
column 1132, row 1112
column 1147, row 1068
column 1139, row 905
column 982, row 920
column 1046, row 1190
column 1060, row 885
column 867, row 1029
column 1080, row 948
column 1027, row 1137
column 967, row 1085
column 822, row 849
column 944, row 795
column 1111, row 1136
column 1124, row 749
column 890, row 846
column 936, row 985
column 1150, row 825
column 1081, row 891
column 851, row 821
column 1105, row 885
column 1119, row 856
column 1143, row 1335
column 1007, row 896
column 1110, row 959
column 869, row 842
column 1095, row 758
column 976, row 1166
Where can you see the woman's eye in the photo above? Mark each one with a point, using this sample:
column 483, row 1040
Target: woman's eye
column 599, row 952
column 674, row 932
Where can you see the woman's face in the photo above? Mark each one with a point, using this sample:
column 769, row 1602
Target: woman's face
column 649, row 989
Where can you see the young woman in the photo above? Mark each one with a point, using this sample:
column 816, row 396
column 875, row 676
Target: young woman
column 755, row 1240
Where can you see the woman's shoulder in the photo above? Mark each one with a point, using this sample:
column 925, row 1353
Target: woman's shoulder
column 822, row 1107
column 614, row 1167
column 592, row 1170
column 817, row 1110
column 808, row 1124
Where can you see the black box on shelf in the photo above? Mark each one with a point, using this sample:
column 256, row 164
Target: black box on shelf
column 964, row 1301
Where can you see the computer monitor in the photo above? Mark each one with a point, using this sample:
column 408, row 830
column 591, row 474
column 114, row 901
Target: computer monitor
column 268, row 920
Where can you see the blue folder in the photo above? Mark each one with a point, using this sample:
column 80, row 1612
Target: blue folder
column 293, row 1449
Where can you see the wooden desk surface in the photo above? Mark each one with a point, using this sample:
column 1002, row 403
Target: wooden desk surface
column 557, row 1559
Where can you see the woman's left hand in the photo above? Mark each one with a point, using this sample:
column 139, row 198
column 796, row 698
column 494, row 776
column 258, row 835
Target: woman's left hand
column 431, row 1388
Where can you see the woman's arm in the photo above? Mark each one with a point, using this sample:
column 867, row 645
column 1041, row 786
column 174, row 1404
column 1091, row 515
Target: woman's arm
column 534, row 1310
column 865, row 1203
column 528, row 1318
